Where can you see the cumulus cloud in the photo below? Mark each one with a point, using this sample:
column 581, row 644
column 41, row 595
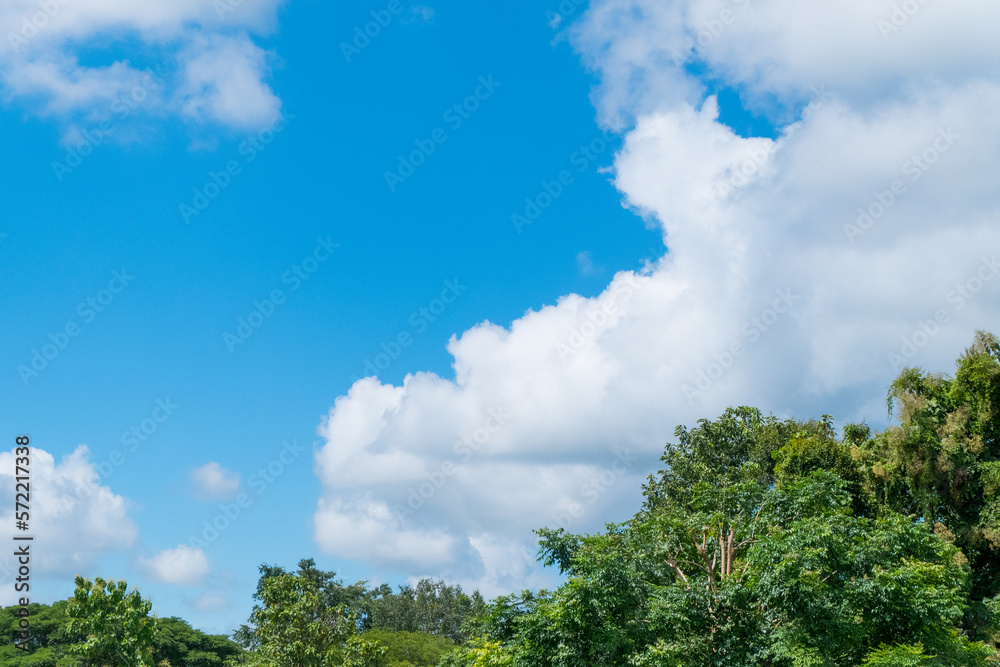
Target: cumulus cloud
column 867, row 51
column 183, row 566
column 208, row 69
column 223, row 82
column 74, row 519
column 803, row 272
column 213, row 482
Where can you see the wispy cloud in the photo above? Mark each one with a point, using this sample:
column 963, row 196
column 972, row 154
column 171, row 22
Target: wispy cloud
column 586, row 264
column 213, row 482
column 209, row 68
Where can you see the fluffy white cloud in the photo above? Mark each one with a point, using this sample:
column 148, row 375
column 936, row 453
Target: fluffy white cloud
column 223, row 82
column 74, row 519
column 803, row 272
column 209, row 70
column 864, row 50
column 213, row 482
column 183, row 566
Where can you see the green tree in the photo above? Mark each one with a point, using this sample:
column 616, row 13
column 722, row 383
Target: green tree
column 410, row 649
column 176, row 643
column 762, row 543
column 432, row 607
column 180, row 645
column 115, row 622
column 50, row 639
column 292, row 627
column 942, row 465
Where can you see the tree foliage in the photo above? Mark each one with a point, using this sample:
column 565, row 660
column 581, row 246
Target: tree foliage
column 293, row 626
column 774, row 543
column 50, row 640
column 115, row 623
column 353, row 616
column 432, row 607
column 177, row 644
column 762, row 542
column 942, row 462
column 410, row 649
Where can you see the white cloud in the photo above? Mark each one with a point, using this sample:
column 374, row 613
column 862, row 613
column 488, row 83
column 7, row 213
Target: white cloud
column 767, row 297
column 779, row 47
column 421, row 14
column 223, row 82
column 209, row 69
column 215, row 482
column 183, row 566
column 66, row 86
column 367, row 530
column 73, row 518
column 585, row 263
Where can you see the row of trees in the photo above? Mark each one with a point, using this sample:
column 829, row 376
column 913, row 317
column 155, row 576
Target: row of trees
column 774, row 543
column 762, row 543
column 310, row 618
column 432, row 607
column 303, row 618
column 105, row 624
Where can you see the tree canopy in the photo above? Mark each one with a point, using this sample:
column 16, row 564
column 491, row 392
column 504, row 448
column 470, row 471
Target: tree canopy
column 114, row 622
column 774, row 543
column 762, row 542
column 309, row 617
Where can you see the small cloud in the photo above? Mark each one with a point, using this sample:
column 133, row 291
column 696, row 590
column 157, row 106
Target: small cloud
column 224, row 82
column 586, row 264
column 215, row 482
column 421, row 14
column 555, row 21
column 183, row 566
column 210, row 602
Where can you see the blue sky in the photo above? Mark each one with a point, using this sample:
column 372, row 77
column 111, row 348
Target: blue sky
column 321, row 177
column 624, row 125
